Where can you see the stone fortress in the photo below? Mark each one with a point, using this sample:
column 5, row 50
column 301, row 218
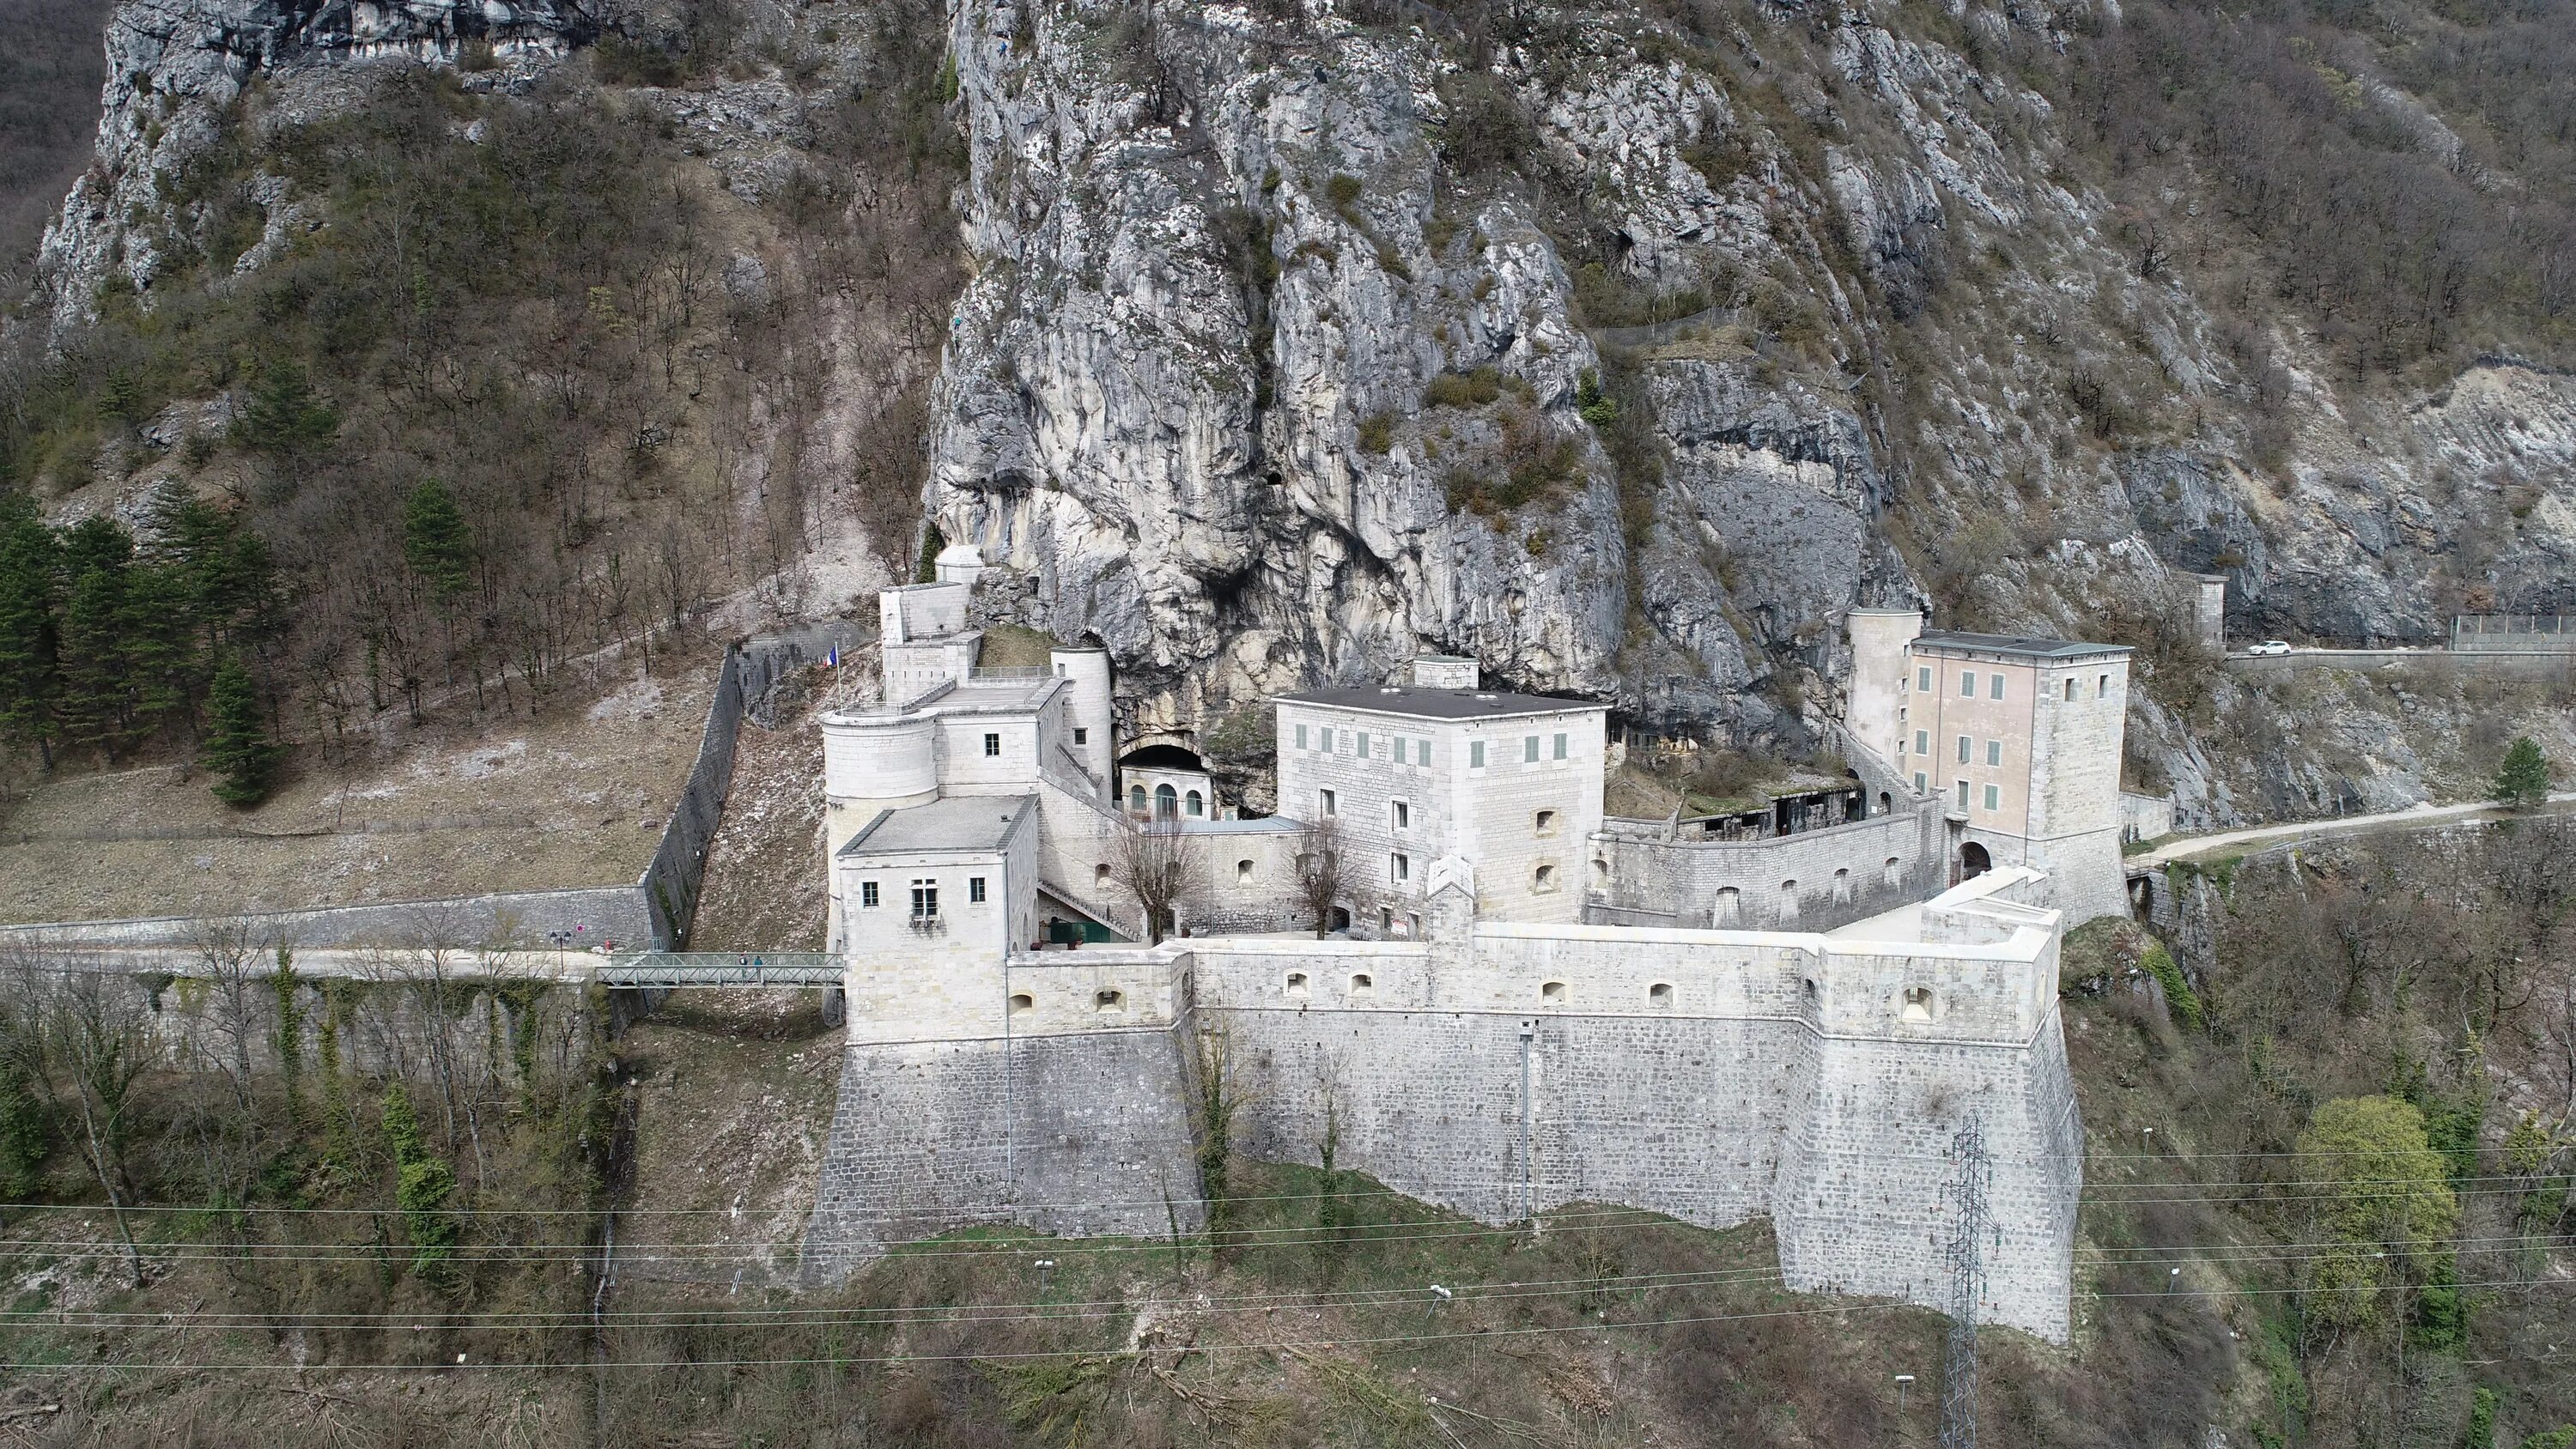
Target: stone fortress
column 1518, row 1003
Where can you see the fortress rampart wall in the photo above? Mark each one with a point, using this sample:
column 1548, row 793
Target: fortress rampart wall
column 1779, row 1073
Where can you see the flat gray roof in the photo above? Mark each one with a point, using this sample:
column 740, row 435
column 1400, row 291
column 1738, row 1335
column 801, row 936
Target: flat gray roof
column 980, row 824
column 1419, row 703
column 2015, row 644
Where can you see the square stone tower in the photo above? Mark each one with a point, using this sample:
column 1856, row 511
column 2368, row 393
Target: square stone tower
column 2021, row 738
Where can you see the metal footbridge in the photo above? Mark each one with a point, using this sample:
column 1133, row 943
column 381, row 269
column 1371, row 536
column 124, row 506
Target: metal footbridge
column 747, row 970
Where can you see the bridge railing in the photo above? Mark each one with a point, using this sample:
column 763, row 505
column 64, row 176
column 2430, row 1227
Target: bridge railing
column 720, row 968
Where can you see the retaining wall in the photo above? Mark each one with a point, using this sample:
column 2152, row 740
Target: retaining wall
column 592, row 915
column 752, row 669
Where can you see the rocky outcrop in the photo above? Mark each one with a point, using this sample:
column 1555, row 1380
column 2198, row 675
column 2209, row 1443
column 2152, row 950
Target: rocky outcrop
column 175, row 68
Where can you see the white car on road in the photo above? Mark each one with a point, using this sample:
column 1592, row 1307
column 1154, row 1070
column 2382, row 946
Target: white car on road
column 2270, row 646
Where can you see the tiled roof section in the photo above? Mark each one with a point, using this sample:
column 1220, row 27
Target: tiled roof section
column 1445, row 704
column 2015, row 644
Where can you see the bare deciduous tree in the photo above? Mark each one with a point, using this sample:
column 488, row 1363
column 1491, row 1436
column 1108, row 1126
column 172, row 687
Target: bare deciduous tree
column 1156, row 863
column 1322, row 874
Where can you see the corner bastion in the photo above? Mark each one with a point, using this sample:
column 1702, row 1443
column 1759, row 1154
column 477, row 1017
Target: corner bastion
column 1503, row 1069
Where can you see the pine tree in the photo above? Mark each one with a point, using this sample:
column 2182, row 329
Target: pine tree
column 96, row 703
column 238, row 749
column 932, row 543
column 29, row 562
column 283, row 418
column 436, row 542
column 2523, row 780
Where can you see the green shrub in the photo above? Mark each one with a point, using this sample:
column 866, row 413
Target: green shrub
column 2179, row 997
column 1463, row 389
column 1377, row 432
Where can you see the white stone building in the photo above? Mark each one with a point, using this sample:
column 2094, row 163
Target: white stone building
column 1524, row 1005
column 1403, row 775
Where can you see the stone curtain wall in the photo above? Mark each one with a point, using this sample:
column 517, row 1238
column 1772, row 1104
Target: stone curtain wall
column 655, row 911
column 386, row 1027
column 1742, row 1094
column 1678, row 882
column 604, row 913
column 1082, row 1135
column 669, row 885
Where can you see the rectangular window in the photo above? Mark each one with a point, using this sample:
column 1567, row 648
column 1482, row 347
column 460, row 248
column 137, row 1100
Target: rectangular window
column 1301, row 737
column 1968, row 683
column 1921, row 784
column 1324, row 803
column 925, row 900
column 1081, row 736
column 1922, row 742
column 1475, row 754
column 1422, row 752
column 1994, row 797
column 1994, row 752
column 1963, row 794
column 1965, row 744
column 2070, row 691
column 1923, row 680
column 1399, row 815
column 992, row 746
column 1560, row 747
column 868, row 893
column 2106, row 687
column 975, row 889
column 1529, row 750
column 1359, row 744
column 1398, row 869
column 1397, row 743
column 1995, row 686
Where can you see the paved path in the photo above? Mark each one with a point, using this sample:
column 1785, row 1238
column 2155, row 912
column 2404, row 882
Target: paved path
column 2422, row 813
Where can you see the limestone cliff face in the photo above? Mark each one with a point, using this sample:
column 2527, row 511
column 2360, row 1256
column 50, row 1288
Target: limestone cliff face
column 1306, row 335
column 174, row 67
column 1224, row 254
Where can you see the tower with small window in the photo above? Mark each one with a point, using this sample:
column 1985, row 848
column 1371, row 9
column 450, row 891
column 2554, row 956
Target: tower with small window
column 2019, row 737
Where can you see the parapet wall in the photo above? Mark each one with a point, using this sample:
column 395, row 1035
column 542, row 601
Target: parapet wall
column 1713, row 1076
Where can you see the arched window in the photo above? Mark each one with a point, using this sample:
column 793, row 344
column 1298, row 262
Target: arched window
column 1109, row 1001
column 1551, row 991
column 1136, row 799
column 1167, row 802
column 1842, row 886
column 1600, row 873
column 1660, row 996
column 1243, row 872
column 1886, row 803
column 1729, row 909
column 1788, row 902
column 1100, row 874
column 1893, row 873
column 1361, row 985
column 1196, row 806
column 1974, row 861
column 1296, row 983
column 1543, row 879
column 1021, row 1001
column 1918, row 1003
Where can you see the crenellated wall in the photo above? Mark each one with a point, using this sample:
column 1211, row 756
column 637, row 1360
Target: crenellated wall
column 1502, row 1069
